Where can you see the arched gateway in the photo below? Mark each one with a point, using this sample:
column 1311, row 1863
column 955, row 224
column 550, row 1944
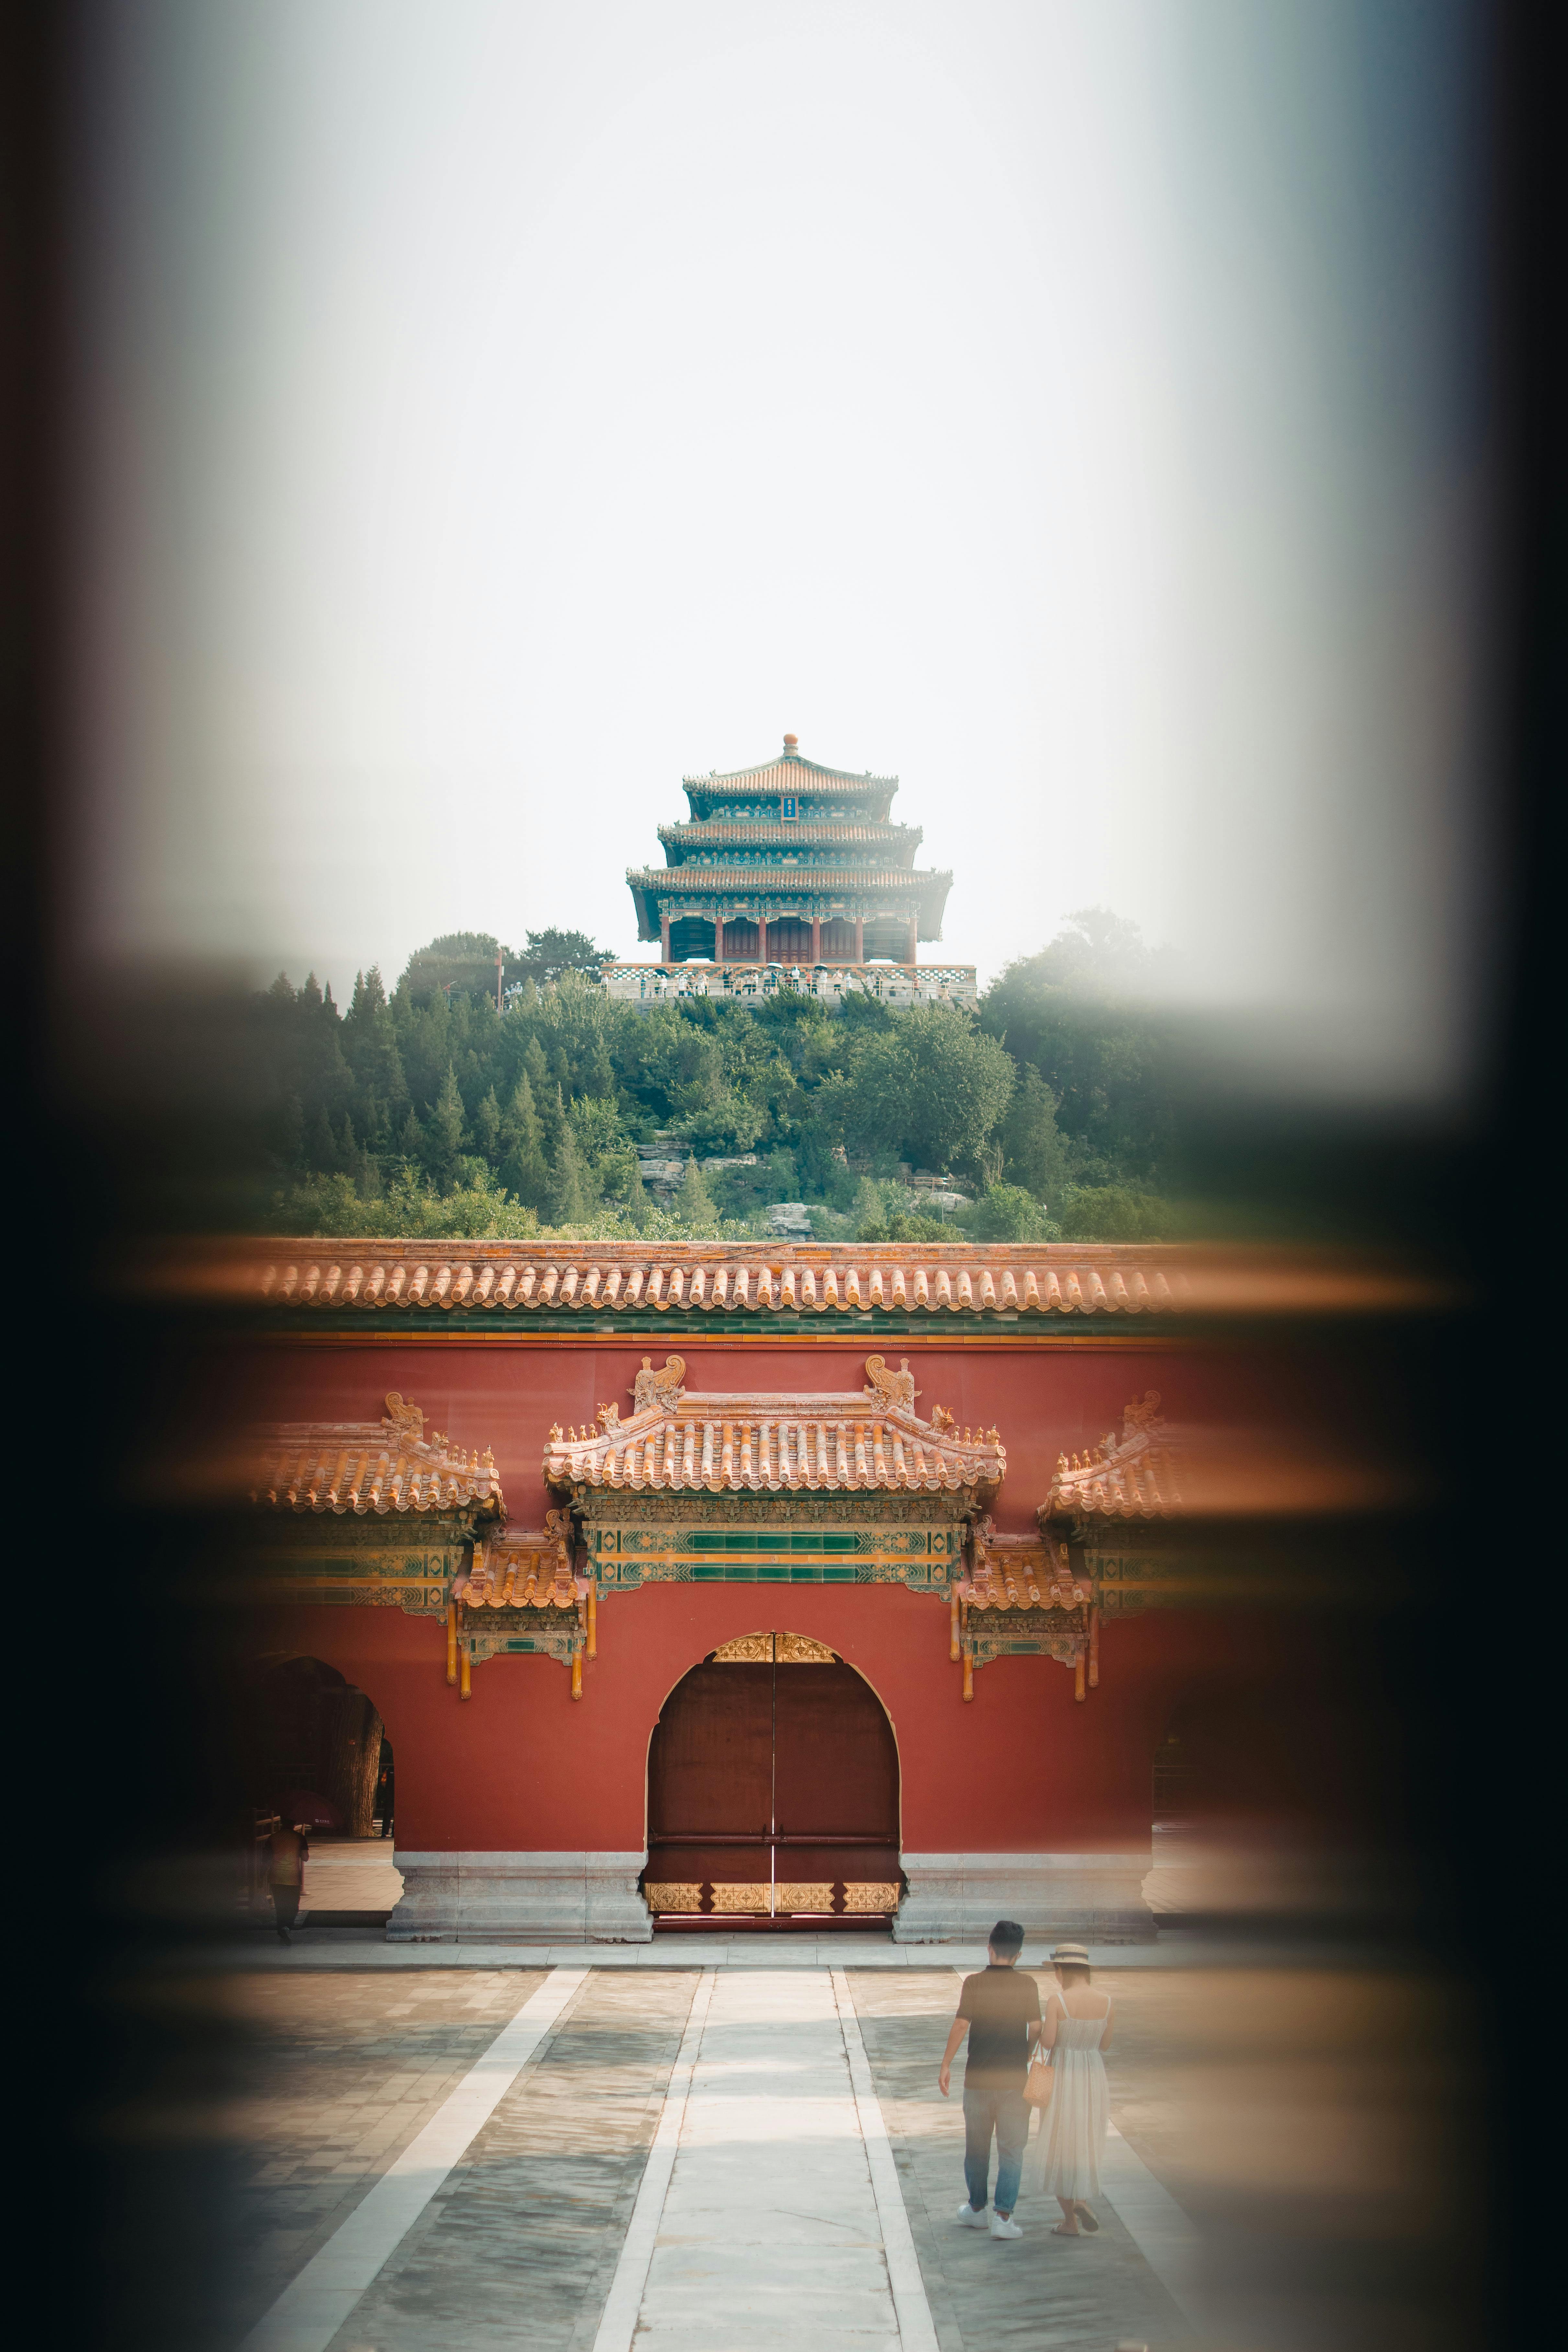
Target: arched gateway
column 525, row 1817
column 773, row 1789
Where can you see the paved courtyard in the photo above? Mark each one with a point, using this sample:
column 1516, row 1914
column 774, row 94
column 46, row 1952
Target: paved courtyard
column 690, row 2152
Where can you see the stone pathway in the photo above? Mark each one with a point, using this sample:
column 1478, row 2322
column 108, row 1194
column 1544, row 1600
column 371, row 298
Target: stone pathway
column 666, row 2160
column 765, row 2218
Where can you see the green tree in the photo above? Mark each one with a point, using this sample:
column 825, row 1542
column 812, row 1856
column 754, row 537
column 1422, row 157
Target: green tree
column 458, row 961
column 536, row 1069
column 487, row 1126
column 369, row 1049
column 1005, row 1213
column 565, row 1196
column 1034, row 1152
column 524, row 1167
column 1078, row 1012
column 931, row 1084
column 694, row 1203
column 548, row 954
column 444, row 1134
column 1114, row 1212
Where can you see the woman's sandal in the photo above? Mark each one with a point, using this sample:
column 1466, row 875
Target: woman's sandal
column 1061, row 2231
column 1087, row 2220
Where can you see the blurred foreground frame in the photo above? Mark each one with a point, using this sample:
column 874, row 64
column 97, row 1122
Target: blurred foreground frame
column 1231, row 1596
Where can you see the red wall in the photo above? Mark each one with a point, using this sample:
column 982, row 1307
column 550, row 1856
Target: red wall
column 1022, row 1767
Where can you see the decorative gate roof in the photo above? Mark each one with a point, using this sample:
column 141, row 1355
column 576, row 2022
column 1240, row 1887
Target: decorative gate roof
column 1133, row 1476
column 368, row 1465
column 765, row 1442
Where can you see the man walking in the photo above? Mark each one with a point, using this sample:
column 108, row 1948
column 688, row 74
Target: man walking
column 1000, row 2010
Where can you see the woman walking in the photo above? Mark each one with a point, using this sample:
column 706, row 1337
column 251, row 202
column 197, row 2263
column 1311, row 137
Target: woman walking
column 1065, row 2160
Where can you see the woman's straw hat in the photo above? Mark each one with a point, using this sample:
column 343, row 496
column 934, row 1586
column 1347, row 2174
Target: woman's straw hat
column 1070, row 1955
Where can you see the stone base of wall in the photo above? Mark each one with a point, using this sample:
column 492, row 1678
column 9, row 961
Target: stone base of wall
column 1093, row 1898
column 520, row 1898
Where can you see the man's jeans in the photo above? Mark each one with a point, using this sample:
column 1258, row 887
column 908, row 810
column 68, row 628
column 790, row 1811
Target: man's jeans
column 989, row 2108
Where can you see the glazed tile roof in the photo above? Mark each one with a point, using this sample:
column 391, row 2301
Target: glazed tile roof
column 732, row 1442
column 810, row 833
column 1020, row 1572
column 1050, row 1281
column 1133, row 1476
column 522, row 1569
column 685, row 879
column 1154, row 1471
column 788, row 773
column 366, row 1465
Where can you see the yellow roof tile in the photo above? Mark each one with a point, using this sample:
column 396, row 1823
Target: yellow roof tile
column 769, row 1441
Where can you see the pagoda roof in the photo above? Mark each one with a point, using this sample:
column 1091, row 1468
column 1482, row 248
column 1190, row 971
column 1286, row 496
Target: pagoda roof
column 836, row 1442
column 649, row 883
column 788, row 772
column 812, row 832
column 809, row 877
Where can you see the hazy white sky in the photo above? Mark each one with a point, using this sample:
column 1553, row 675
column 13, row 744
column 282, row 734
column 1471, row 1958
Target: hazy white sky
column 500, row 411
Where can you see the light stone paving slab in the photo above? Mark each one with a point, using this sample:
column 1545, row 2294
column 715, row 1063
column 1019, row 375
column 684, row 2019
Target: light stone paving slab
column 763, row 2220
column 1157, row 2226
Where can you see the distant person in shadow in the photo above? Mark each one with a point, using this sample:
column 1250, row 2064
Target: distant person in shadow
column 1078, row 2023
column 1000, row 2011
column 291, row 1850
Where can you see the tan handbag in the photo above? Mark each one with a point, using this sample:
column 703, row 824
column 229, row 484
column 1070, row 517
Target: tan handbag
column 1041, row 2079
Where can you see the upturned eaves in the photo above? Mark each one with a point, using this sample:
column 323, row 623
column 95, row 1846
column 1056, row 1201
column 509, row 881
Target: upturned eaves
column 704, row 833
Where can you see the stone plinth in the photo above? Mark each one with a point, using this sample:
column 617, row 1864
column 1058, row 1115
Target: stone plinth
column 524, row 1898
column 1095, row 1898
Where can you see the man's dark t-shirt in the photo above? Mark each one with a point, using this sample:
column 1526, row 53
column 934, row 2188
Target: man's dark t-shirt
column 1001, row 2004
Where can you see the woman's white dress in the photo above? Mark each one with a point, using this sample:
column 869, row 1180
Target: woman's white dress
column 1064, row 2160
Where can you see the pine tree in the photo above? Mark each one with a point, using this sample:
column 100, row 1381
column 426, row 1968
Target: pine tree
column 445, row 1132
column 370, row 1048
column 537, row 1069
column 411, row 1143
column 564, row 1196
column 524, row 1167
column 487, row 1126
column 694, row 1203
column 322, row 1154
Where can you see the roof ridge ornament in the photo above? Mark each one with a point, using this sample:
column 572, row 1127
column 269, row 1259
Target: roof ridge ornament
column 663, row 1391
column 406, row 1421
column 893, row 1388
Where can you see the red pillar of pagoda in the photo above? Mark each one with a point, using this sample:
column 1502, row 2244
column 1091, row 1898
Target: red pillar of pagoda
column 860, row 939
column 664, row 939
column 914, row 940
column 816, row 940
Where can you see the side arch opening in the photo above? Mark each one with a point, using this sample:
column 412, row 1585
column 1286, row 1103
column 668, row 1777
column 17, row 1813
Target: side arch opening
column 312, row 1752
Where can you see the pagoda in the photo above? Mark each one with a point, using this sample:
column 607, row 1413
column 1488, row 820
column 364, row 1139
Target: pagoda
column 790, row 874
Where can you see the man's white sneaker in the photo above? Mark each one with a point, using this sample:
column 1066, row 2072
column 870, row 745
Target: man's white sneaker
column 1005, row 2226
column 970, row 2217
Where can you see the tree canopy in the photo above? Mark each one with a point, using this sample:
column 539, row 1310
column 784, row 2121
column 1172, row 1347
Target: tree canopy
column 1052, row 1110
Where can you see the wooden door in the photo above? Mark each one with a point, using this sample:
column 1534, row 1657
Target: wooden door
column 773, row 1791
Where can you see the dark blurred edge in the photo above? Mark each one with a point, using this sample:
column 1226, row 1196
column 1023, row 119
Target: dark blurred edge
column 109, row 1750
